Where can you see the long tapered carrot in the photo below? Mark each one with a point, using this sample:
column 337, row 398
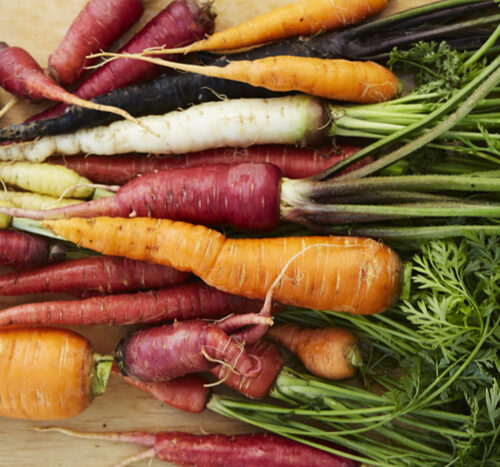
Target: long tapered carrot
column 361, row 82
column 355, row 275
column 297, row 18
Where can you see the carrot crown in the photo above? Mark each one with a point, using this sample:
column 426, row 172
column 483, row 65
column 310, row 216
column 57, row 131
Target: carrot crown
column 100, row 374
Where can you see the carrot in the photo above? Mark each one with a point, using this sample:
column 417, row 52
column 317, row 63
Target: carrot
column 95, row 28
column 245, row 450
column 22, row 76
column 164, row 352
column 362, row 82
column 294, row 162
column 259, row 386
column 183, row 302
column 91, row 274
column 331, row 353
column 188, row 393
column 48, row 373
column 355, row 275
column 27, row 200
column 21, row 250
column 304, row 17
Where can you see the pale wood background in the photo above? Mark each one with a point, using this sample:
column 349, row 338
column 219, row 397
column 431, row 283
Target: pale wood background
column 38, row 27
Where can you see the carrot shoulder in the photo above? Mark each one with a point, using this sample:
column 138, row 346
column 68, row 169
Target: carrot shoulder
column 350, row 274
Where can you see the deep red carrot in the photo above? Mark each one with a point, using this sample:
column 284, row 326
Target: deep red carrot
column 22, row 250
column 97, row 273
column 188, row 393
column 180, row 23
column 96, row 27
column 246, row 450
column 165, row 352
column 294, row 162
column 257, row 387
column 194, row 300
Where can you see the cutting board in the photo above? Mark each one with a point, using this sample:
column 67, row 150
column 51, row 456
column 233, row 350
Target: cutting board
column 38, row 27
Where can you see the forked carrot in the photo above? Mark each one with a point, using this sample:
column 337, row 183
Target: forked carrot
column 304, row 17
column 361, row 82
column 356, row 275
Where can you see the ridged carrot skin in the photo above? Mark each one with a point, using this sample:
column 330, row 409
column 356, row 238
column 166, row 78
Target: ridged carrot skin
column 355, row 275
column 45, row 373
column 303, row 17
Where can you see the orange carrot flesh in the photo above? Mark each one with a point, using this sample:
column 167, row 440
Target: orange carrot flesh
column 330, row 353
column 355, row 275
column 303, row 17
column 45, row 373
column 361, row 82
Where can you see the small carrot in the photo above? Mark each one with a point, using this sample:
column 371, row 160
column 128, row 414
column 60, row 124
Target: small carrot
column 28, row 200
column 48, row 373
column 305, row 17
column 245, row 450
column 355, row 275
column 331, row 353
column 361, row 82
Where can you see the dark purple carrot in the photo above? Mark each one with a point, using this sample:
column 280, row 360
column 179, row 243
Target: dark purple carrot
column 258, row 387
column 188, row 393
column 294, row 162
column 245, row 450
column 180, row 22
column 194, row 300
column 165, row 352
column 22, row 250
column 108, row 274
column 97, row 26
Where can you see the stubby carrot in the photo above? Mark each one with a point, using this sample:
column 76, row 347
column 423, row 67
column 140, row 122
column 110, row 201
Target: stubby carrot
column 102, row 274
column 96, row 27
column 48, row 373
column 362, row 82
column 304, row 17
column 246, row 450
column 331, row 353
column 22, row 250
column 350, row 274
column 193, row 300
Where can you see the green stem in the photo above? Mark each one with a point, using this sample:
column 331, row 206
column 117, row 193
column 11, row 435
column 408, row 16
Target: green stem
column 484, row 48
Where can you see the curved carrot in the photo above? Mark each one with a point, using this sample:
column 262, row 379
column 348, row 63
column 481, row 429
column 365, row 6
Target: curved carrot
column 297, row 18
column 361, row 82
column 331, row 353
column 45, row 373
column 356, row 275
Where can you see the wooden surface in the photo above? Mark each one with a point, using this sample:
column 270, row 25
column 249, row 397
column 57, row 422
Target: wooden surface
column 38, row 27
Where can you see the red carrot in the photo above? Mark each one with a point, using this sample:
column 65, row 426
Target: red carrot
column 165, row 352
column 95, row 274
column 194, row 300
column 22, row 250
column 294, row 162
column 180, row 23
column 258, row 387
column 246, row 450
column 96, row 27
column 188, row 393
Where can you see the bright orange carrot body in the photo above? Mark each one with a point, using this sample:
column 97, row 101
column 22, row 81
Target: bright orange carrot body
column 304, row 17
column 330, row 353
column 45, row 373
column 355, row 275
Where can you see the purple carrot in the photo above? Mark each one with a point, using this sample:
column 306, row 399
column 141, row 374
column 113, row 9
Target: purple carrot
column 245, row 450
column 194, row 300
column 165, row 352
column 108, row 274
column 20, row 250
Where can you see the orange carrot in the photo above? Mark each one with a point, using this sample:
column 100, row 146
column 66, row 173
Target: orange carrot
column 304, row 17
column 331, row 353
column 362, row 82
column 46, row 373
column 356, row 275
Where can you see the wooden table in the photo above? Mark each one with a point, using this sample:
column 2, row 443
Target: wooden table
column 38, row 27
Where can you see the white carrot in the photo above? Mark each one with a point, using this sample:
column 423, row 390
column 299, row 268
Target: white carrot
column 27, row 200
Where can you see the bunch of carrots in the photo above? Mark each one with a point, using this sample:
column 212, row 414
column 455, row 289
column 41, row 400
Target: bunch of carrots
column 138, row 241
